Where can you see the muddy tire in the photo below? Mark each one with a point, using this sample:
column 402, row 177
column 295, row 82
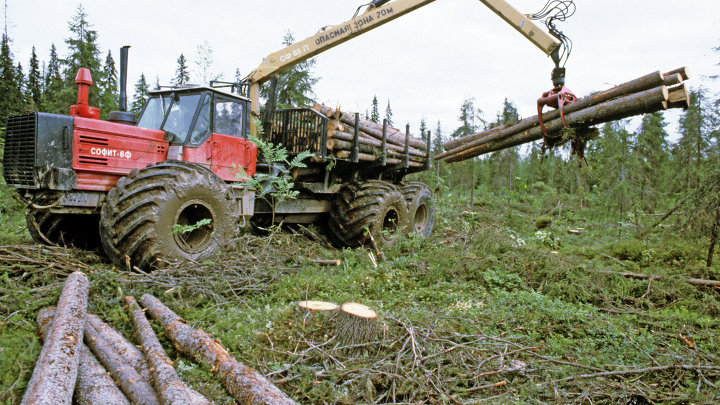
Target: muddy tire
column 139, row 221
column 78, row 230
column 421, row 210
column 376, row 205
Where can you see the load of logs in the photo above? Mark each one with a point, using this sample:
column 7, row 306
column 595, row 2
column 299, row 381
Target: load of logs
column 109, row 369
column 647, row 94
column 357, row 139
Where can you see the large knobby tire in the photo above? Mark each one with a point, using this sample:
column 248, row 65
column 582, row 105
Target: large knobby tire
column 142, row 217
column 421, row 210
column 48, row 228
column 375, row 206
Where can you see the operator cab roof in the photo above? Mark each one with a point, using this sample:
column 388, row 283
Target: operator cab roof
column 195, row 89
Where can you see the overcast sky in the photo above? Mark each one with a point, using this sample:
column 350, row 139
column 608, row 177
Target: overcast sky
column 426, row 63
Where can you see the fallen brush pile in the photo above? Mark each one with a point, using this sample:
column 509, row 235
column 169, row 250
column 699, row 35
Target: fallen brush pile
column 68, row 367
column 647, row 94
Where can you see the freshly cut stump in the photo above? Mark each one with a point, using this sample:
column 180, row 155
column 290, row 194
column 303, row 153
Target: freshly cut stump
column 167, row 383
column 246, row 385
column 53, row 380
column 317, row 311
column 94, row 385
column 356, row 323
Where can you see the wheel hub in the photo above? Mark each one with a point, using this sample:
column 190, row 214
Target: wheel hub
column 193, row 226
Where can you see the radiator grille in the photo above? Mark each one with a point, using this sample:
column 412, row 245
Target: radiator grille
column 19, row 156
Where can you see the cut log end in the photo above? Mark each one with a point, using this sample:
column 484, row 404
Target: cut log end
column 317, row 306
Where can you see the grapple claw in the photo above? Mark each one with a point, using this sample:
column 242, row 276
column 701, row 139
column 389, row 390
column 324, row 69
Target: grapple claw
column 558, row 97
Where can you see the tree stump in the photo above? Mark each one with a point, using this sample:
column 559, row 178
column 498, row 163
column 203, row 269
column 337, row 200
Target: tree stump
column 356, row 324
column 320, row 312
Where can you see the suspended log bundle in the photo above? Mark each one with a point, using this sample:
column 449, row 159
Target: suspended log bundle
column 242, row 382
column 53, row 379
column 647, row 94
column 94, row 385
column 167, row 383
column 368, row 141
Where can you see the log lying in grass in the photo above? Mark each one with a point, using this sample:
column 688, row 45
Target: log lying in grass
column 587, row 111
column 93, row 385
column 356, row 323
column 55, row 374
column 128, row 351
column 246, row 385
column 167, row 383
column 639, row 276
column 136, row 389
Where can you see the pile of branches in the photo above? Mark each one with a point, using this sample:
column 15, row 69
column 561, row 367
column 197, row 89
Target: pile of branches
column 86, row 359
column 432, row 362
column 647, row 94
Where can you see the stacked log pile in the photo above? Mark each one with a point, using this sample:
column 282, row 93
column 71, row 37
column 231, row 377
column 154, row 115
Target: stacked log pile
column 647, row 94
column 93, row 373
column 375, row 142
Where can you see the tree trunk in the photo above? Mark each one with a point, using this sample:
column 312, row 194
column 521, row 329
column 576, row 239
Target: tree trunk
column 55, row 374
column 136, row 389
column 167, row 383
column 93, row 385
column 713, row 237
column 245, row 384
column 128, row 351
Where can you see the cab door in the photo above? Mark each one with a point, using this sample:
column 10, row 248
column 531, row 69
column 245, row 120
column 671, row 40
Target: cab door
column 233, row 156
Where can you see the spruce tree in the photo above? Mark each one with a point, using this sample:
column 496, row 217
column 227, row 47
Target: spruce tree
column 34, row 83
column 108, row 85
column 84, row 53
column 140, row 95
column 388, row 114
column 689, row 154
column 375, row 113
column 649, row 157
column 11, row 101
column 53, row 85
column 295, row 85
column 470, row 118
column 503, row 163
column 182, row 75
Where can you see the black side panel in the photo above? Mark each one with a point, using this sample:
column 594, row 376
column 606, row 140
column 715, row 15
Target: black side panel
column 38, row 152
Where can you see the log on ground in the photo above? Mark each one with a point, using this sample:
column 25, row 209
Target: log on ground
column 128, row 351
column 135, row 388
column 93, row 385
column 167, row 383
column 243, row 383
column 55, row 374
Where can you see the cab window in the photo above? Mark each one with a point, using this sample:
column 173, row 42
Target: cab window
column 181, row 114
column 229, row 117
column 202, row 125
column 154, row 112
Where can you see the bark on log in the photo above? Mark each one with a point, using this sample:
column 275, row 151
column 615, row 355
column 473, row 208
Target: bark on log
column 356, row 323
column 337, row 145
column 639, row 103
column 365, row 157
column 367, row 140
column 128, row 351
column 135, row 388
column 393, row 135
column 684, row 72
column 93, row 385
column 53, row 380
column 649, row 81
column 673, row 79
column 168, row 385
column 245, row 384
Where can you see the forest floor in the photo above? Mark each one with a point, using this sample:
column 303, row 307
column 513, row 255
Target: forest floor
column 488, row 309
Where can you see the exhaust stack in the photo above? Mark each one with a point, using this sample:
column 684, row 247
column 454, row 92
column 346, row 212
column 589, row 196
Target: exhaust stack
column 123, row 116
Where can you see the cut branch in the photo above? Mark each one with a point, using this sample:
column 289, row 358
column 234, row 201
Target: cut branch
column 245, row 384
column 53, row 379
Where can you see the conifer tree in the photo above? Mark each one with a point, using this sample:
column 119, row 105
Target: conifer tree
column 375, row 112
column 34, row 83
column 53, row 85
column 140, row 95
column 295, row 85
column 11, row 101
column 108, row 85
column 649, row 157
column 437, row 144
column 84, row 53
column 470, row 118
column 388, row 114
column 182, row 75
column 689, row 153
column 502, row 163
column 423, row 129
column 204, row 60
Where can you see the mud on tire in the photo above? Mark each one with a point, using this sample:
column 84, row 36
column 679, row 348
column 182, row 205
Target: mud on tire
column 137, row 222
column 421, row 210
column 376, row 205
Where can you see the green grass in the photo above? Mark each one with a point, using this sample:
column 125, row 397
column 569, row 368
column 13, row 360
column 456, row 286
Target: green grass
column 487, row 290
